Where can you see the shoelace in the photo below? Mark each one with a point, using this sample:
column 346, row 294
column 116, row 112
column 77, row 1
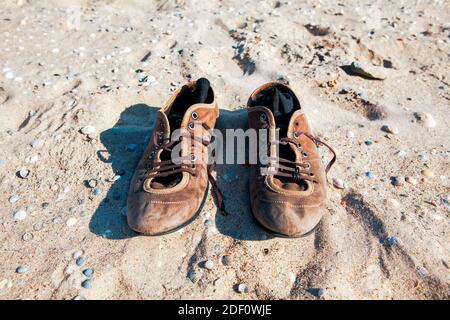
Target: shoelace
column 300, row 170
column 167, row 167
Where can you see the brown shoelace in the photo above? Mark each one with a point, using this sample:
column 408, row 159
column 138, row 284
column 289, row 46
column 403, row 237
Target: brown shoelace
column 300, row 170
column 167, row 167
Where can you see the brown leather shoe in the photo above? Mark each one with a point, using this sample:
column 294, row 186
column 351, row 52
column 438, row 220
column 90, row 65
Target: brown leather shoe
column 288, row 198
column 164, row 194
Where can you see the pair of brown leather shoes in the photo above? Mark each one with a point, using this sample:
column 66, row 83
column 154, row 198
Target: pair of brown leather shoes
column 287, row 192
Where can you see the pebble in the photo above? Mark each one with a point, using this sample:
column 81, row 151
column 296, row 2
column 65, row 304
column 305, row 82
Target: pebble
column 398, row 182
column 37, row 144
column 24, row 173
column 338, row 183
column 13, row 198
column 38, row 226
column 426, row 119
column 21, row 270
column 368, row 142
column 292, row 277
column 370, row 175
column 92, row 183
column 209, row 264
column 88, row 272
column 423, row 272
column 20, row 215
column 86, row 284
column 97, row 191
column 427, row 173
column 321, row 292
column 79, row 298
column 131, row 147
column 88, row 130
column 226, row 260
column 71, row 222
column 401, row 153
column 411, row 180
column 79, row 261
column 77, row 254
column 368, row 71
column 350, row 134
column 390, row 129
column 392, row 241
column 242, row 288
column 27, row 236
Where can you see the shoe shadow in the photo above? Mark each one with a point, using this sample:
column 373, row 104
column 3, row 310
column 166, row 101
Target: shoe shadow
column 125, row 144
column 233, row 182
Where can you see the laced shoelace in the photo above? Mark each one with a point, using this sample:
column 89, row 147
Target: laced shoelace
column 299, row 170
column 167, row 167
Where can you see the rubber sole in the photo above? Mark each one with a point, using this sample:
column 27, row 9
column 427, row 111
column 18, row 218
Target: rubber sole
column 195, row 216
column 280, row 235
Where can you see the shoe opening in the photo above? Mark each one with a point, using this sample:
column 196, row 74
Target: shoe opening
column 198, row 92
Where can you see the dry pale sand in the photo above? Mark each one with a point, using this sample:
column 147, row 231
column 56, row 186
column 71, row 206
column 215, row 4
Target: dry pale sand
column 383, row 237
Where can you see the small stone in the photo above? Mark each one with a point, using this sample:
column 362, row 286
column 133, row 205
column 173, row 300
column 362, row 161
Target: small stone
column 423, row 272
column 38, row 226
column 37, row 144
column 13, row 198
column 24, row 173
column 77, row 254
column 92, row 183
column 392, row 241
column 79, row 261
column 88, row 272
column 88, row 130
column 292, row 277
column 209, row 264
column 79, row 298
column 427, row 173
column 321, row 292
column 21, row 270
column 350, row 134
column 389, row 129
column 71, row 222
column 425, row 118
column 226, row 260
column 20, row 215
column 368, row 142
column 338, row 183
column 396, row 181
column 242, row 288
column 97, row 191
column 401, row 153
column 86, row 284
column 368, row 71
column 27, row 236
column 370, row 175
column 131, row 147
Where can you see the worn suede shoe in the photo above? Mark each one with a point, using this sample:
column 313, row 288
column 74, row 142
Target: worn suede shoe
column 165, row 194
column 288, row 191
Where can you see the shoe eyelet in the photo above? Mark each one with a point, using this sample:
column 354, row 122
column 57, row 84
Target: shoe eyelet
column 304, row 154
column 191, row 125
column 193, row 157
column 296, row 135
column 263, row 117
column 194, row 115
column 308, row 166
column 311, row 174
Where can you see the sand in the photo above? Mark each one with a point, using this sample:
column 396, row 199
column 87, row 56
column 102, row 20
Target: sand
column 114, row 66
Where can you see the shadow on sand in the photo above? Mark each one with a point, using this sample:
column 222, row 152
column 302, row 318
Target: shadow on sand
column 125, row 143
